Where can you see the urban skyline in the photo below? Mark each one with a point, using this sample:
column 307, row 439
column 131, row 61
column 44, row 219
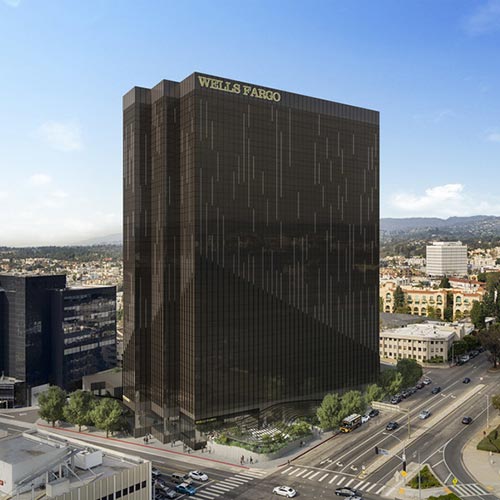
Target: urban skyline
column 428, row 67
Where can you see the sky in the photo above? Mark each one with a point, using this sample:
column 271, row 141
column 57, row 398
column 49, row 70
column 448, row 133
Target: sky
column 429, row 66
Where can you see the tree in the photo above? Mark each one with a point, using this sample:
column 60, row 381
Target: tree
column 471, row 341
column 477, row 315
column 107, row 415
column 410, row 371
column 52, row 404
column 78, row 409
column 328, row 412
column 448, row 310
column 459, row 347
column 373, row 393
column 352, row 402
column 380, row 304
column 396, row 383
column 445, row 282
column 399, row 300
column 431, row 313
column 490, row 340
column 495, row 401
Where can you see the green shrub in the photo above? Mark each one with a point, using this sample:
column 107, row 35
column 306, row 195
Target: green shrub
column 449, row 496
column 491, row 442
column 427, row 479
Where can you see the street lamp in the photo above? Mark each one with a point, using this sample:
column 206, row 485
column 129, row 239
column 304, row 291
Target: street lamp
column 417, row 453
column 403, row 456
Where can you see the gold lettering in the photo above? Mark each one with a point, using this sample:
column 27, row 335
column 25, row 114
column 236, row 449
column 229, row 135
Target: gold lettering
column 204, row 81
column 277, row 96
column 246, row 89
column 236, row 88
column 254, row 93
column 216, row 84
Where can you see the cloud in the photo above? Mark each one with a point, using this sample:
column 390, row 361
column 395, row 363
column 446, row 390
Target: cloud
column 485, row 19
column 443, row 201
column 40, row 180
column 12, row 3
column 493, row 137
column 442, row 115
column 61, row 136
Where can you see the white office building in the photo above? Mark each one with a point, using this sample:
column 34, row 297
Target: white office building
column 446, row 258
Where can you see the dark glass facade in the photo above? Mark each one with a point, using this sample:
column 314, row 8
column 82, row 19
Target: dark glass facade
column 251, row 221
column 53, row 334
column 83, row 333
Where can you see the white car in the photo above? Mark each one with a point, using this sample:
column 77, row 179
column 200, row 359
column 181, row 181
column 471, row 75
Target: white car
column 424, row 414
column 198, row 475
column 284, row 491
column 365, row 419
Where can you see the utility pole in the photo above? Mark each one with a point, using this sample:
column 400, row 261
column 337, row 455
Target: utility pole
column 487, row 411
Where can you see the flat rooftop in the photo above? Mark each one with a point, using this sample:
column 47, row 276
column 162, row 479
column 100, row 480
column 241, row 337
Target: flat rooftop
column 421, row 331
column 19, row 449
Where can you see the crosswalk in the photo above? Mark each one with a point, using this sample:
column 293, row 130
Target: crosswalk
column 334, row 480
column 220, row 488
column 468, row 490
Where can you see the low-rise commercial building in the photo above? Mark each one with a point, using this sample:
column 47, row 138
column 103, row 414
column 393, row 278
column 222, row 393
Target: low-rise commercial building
column 429, row 341
column 33, row 465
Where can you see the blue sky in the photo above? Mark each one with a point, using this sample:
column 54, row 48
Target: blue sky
column 429, row 66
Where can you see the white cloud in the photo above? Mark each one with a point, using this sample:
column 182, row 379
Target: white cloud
column 12, row 3
column 493, row 137
column 485, row 19
column 40, row 179
column 61, row 136
column 443, row 201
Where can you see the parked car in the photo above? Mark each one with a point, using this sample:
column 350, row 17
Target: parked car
column 391, row 426
column 346, row 492
column 420, row 385
column 396, row 399
column 198, row 475
column 467, row 420
column 406, row 394
column 373, row 413
column 464, row 358
column 435, row 390
column 186, row 489
column 365, row 419
column 474, row 353
column 466, row 380
column 424, row 414
column 155, row 473
column 284, row 491
column 427, row 381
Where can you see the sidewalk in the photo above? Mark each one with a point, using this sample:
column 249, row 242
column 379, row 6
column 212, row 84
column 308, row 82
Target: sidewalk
column 485, row 468
column 195, row 457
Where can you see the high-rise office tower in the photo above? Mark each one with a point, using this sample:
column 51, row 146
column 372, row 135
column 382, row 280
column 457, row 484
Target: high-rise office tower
column 446, row 258
column 251, row 247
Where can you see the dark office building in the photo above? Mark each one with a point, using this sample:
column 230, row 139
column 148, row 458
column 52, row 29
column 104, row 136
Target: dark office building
column 53, row 334
column 3, row 325
column 251, row 226
column 83, row 333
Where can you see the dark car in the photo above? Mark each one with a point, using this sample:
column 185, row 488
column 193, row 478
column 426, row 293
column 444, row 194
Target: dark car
column 436, row 390
column 473, row 354
column 466, row 380
column 406, row 394
column 346, row 492
column 396, row 399
column 467, row 420
column 185, row 489
column 391, row 426
column 373, row 413
column 420, row 385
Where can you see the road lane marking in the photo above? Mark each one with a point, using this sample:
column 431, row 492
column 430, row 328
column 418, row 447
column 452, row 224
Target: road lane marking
column 371, row 487
column 204, row 495
column 333, row 479
column 379, row 490
column 305, row 475
column 349, row 482
column 359, row 485
column 322, row 477
column 300, row 473
column 293, row 472
column 341, row 480
column 234, row 483
column 286, row 470
column 315, row 474
column 222, row 487
column 239, row 480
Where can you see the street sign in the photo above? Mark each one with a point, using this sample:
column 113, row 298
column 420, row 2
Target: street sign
column 377, row 405
column 382, row 451
column 455, row 481
column 404, row 473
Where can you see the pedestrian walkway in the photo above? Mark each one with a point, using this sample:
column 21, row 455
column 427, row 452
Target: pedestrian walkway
column 220, row 488
column 333, row 480
column 468, row 490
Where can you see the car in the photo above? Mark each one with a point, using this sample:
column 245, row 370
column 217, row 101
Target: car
column 346, row 492
column 413, row 390
column 373, row 413
column 420, row 385
column 464, row 358
column 284, row 491
column 435, row 390
column 426, row 381
column 473, row 354
column 466, row 380
column 198, row 475
column 391, row 426
column 186, row 489
column 424, row 414
column 155, row 473
column 467, row 420
column 365, row 419
column 460, row 362
column 406, row 394
column 396, row 399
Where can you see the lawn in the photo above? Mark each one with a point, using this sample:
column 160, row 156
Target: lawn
column 491, row 442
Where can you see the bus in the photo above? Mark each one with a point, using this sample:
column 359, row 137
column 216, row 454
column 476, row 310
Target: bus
column 350, row 423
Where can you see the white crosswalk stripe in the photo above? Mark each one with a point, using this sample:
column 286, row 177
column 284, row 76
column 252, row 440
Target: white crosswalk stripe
column 333, row 479
column 234, row 484
column 371, row 487
column 221, row 487
column 286, row 470
column 469, row 490
column 241, row 480
column 253, row 473
column 341, row 480
column 202, row 494
column 322, row 477
column 349, row 482
column 359, row 485
column 300, row 472
column 305, row 475
column 293, row 472
column 314, row 475
column 379, row 490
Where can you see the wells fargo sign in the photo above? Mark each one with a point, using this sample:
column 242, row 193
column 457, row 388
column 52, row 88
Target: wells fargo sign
column 239, row 88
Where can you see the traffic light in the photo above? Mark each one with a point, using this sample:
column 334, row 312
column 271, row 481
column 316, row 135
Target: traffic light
column 376, row 450
column 404, row 465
